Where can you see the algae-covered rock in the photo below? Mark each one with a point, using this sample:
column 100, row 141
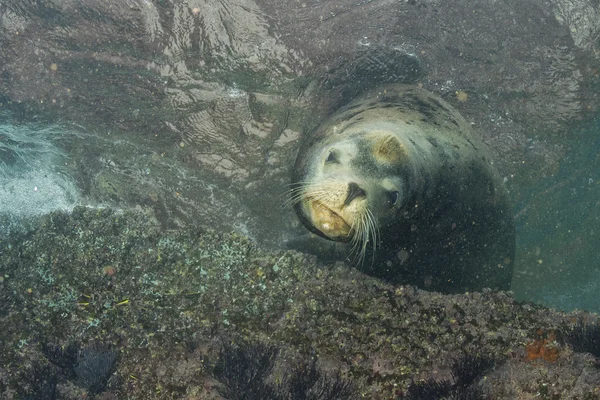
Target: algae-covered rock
column 148, row 310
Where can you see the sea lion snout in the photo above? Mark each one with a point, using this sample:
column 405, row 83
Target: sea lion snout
column 335, row 208
column 329, row 222
column 354, row 191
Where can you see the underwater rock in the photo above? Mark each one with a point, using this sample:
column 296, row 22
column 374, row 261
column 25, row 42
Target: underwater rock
column 167, row 299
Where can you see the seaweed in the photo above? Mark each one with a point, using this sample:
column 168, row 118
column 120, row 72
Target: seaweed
column 470, row 369
column 243, row 370
column 64, row 357
column 90, row 367
column 584, row 338
column 429, row 390
column 306, row 382
column 94, row 368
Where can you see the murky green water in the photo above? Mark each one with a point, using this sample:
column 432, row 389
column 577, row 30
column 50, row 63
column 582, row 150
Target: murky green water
column 559, row 231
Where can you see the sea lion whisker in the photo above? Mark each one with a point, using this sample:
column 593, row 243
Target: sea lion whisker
column 295, row 194
column 294, row 184
column 367, row 235
column 374, row 234
column 361, row 229
column 292, row 199
column 308, row 189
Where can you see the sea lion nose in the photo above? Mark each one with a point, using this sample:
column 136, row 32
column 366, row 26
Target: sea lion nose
column 354, row 191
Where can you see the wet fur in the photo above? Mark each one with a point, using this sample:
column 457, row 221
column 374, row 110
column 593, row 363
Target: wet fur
column 453, row 224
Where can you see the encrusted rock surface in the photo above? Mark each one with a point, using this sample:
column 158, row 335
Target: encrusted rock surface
column 165, row 300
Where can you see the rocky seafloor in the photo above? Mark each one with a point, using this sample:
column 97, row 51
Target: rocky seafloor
column 104, row 304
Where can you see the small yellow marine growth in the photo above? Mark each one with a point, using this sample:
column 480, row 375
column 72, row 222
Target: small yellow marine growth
column 462, row 96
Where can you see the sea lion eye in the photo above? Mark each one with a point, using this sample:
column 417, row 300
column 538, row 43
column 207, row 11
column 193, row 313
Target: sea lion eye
column 393, row 198
column 331, row 158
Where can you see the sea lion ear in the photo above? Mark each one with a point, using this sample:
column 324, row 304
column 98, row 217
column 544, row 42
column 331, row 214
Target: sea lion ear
column 387, row 149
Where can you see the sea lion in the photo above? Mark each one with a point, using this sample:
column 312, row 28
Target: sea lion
column 402, row 177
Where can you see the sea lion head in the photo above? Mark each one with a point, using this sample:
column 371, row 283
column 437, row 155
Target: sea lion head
column 350, row 184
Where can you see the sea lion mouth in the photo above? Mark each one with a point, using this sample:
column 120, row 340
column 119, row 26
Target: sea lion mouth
column 329, row 222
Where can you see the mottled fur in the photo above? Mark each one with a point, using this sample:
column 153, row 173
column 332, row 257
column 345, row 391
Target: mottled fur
column 401, row 175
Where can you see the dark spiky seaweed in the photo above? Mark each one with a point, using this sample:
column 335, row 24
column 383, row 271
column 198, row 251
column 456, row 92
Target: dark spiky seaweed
column 243, row 370
column 90, row 367
column 470, row 369
column 444, row 390
column 64, row 357
column 429, row 390
column 469, row 393
column 94, row 368
column 584, row 338
column 306, row 382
